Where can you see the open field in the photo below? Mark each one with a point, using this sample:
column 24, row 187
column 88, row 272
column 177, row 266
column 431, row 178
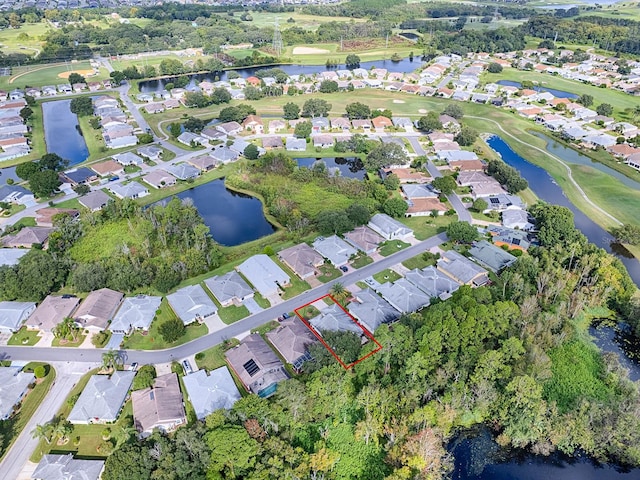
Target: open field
column 25, row 39
column 624, row 10
column 295, row 19
column 49, row 74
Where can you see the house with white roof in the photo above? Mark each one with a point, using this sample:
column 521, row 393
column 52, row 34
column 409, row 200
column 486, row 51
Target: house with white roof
column 335, row 249
column 229, row 289
column 135, row 313
column 404, row 296
column 130, row 190
column 191, row 304
column 264, row 274
column 210, row 392
column 102, row 398
column 334, row 319
column 14, row 385
column 371, row 310
column 433, row 282
column 389, row 228
column 65, row 467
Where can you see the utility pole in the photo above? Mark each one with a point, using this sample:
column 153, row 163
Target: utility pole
column 277, row 39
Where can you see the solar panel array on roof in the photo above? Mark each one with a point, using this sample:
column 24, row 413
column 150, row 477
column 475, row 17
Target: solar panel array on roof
column 251, row 367
column 494, row 200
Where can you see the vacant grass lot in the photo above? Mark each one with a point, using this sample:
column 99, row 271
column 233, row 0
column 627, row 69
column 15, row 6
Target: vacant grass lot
column 387, row 275
column 213, row 357
column 418, row 262
column 24, row 337
column 392, row 246
column 10, row 429
column 233, row 313
column 361, row 260
column 103, row 240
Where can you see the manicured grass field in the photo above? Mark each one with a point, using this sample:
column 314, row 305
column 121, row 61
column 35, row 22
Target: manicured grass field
column 233, row 313
column 387, row 275
column 392, row 246
column 297, row 286
column 40, row 75
column 213, row 357
column 25, row 39
column 328, row 273
column 154, row 341
column 57, row 342
column 10, row 429
column 301, row 20
column 361, row 260
column 425, row 227
column 418, row 262
column 23, row 334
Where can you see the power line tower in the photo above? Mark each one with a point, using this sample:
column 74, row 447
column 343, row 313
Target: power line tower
column 277, row 39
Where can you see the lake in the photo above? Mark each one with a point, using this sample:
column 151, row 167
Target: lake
column 405, row 65
column 546, row 189
column 537, row 88
column 233, row 218
column 348, row 167
column 569, row 155
column 62, row 132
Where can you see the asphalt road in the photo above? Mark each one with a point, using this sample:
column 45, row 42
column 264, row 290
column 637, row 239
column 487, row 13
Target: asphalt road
column 57, row 354
column 456, row 203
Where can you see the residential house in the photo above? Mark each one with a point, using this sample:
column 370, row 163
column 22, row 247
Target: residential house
column 264, row 274
column 14, row 385
column 159, row 179
column 257, row 366
column 296, row 144
column 433, row 282
column 152, row 152
column 45, row 215
column 513, row 239
column 28, row 237
column 390, row 228
column 490, row 256
column 302, row 259
column 130, row 190
column 11, row 256
column 229, row 128
column 371, row 310
column 102, row 398
column 107, row 168
column 422, row 207
column 52, row 311
column 135, row 313
column 65, row 467
column 183, row 171
column 461, row 269
column 80, row 175
column 159, row 407
column 404, row 296
column 341, row 123
column 272, row 142
column 204, row 163
column 14, row 142
column 364, row 239
column 95, row 200
column 276, row 126
column 210, row 392
column 190, row 138
column 403, row 122
column 191, row 304
column 503, row 201
column 380, row 122
column 319, row 123
column 364, row 124
column 98, row 309
column 229, row 289
column 292, row 339
column 407, row 175
column 516, row 218
column 253, row 123
column 213, row 134
column 335, row 319
column 335, row 249
column 13, row 314
column 128, row 158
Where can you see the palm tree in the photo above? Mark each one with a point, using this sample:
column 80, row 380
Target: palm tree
column 62, row 430
column 636, row 112
column 109, row 360
column 43, row 431
column 337, row 289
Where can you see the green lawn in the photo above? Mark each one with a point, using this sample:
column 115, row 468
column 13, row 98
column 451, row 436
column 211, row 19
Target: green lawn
column 213, row 357
column 392, row 246
column 24, row 337
column 361, row 260
column 233, row 313
column 386, row 275
column 328, row 272
column 103, row 240
column 39, row 75
column 297, row 286
column 59, row 342
column 267, row 327
column 418, row 262
column 260, row 300
column 10, row 429
column 154, row 341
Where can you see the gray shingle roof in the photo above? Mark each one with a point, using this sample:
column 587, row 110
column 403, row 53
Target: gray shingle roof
column 302, row 259
column 208, row 393
column 404, row 296
column 94, row 200
column 98, row 308
column 12, row 314
column 335, row 249
column 372, row 310
column 135, row 313
column 190, row 303
column 102, row 398
column 264, row 274
column 13, row 384
column 433, row 282
column 492, row 257
column 65, row 467
column 11, row 256
column 130, row 190
column 460, row 268
column 292, row 339
column 335, row 319
column 389, row 227
column 228, row 287
column 183, row 171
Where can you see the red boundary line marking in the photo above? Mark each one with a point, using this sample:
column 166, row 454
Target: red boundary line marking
column 319, row 337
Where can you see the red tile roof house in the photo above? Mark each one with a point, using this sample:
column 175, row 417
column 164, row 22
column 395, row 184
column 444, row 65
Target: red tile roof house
column 381, row 122
column 254, row 81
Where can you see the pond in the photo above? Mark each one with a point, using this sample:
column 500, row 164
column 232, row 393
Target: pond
column 545, row 188
column 569, row 155
column 348, row 167
column 405, row 65
column 537, row 88
column 233, row 217
column 62, row 132
column 478, row 457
